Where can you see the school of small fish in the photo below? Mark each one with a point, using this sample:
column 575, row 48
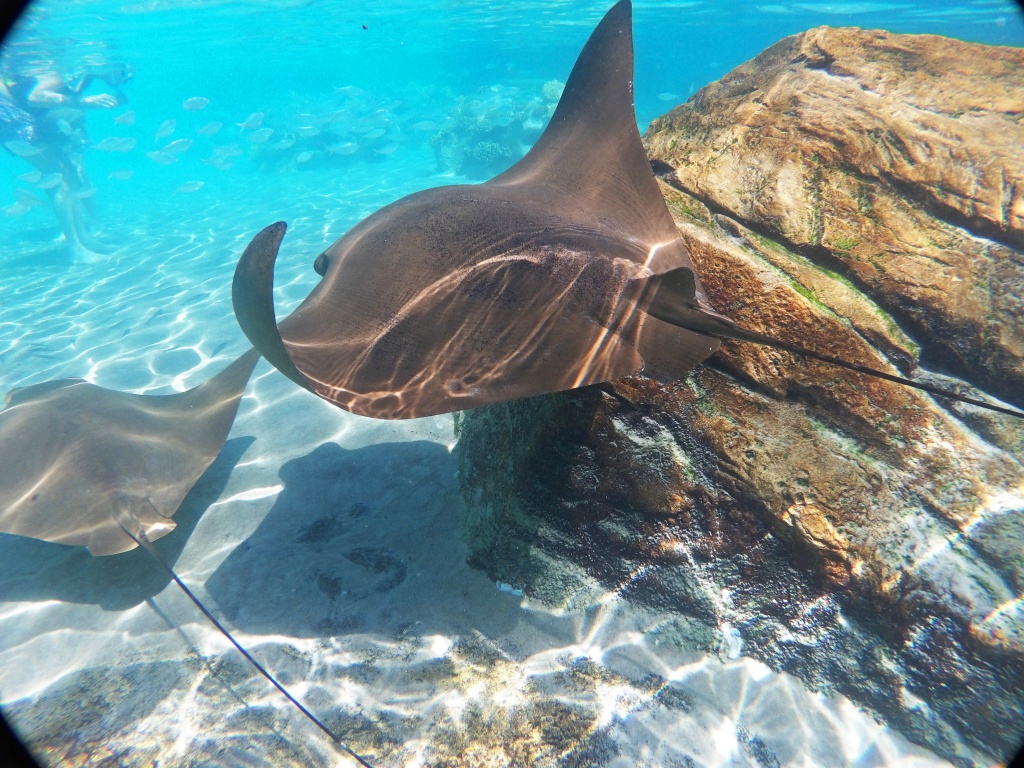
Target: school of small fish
column 348, row 124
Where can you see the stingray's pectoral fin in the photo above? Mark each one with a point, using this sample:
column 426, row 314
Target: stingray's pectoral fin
column 673, row 301
column 252, row 296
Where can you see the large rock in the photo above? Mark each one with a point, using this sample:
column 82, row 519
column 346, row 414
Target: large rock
column 835, row 193
column 894, row 159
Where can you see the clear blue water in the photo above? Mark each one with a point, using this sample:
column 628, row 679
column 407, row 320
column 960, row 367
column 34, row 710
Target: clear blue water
column 154, row 316
column 286, row 59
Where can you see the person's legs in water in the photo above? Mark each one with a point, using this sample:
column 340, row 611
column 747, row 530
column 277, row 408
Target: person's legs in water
column 72, row 198
column 17, row 124
column 83, row 202
column 63, row 203
column 68, row 209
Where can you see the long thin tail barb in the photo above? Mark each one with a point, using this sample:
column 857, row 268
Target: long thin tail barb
column 673, row 300
column 140, row 537
column 741, row 334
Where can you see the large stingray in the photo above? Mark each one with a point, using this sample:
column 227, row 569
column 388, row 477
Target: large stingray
column 86, row 465
column 565, row 270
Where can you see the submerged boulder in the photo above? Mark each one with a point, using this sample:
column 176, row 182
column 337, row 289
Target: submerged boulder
column 837, row 193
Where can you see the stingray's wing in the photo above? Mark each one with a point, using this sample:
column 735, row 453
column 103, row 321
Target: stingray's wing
column 81, row 461
column 437, row 352
column 592, row 155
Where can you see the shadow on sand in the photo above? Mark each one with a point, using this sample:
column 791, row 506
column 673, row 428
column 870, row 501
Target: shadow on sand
column 363, row 540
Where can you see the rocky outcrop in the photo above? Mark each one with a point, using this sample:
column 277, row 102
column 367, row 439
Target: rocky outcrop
column 894, row 160
column 835, row 193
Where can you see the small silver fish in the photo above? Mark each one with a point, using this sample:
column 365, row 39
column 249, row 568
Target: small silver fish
column 252, row 122
column 424, row 125
column 70, row 114
column 65, row 127
column 166, row 129
column 50, row 180
column 376, row 133
column 162, row 158
column 82, row 194
column 210, row 128
column 177, row 147
column 195, row 103
column 218, row 162
column 126, row 118
column 27, row 198
column 286, row 143
column 191, row 186
column 116, row 144
column 31, row 177
column 304, row 157
column 335, row 117
column 122, row 174
column 16, row 209
column 388, row 149
column 344, row 148
column 22, row 148
column 307, row 131
column 668, row 97
column 260, row 136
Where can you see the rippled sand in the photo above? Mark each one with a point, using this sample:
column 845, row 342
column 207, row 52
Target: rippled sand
column 330, row 545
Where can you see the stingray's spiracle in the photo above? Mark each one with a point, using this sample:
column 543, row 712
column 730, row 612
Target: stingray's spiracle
column 140, row 537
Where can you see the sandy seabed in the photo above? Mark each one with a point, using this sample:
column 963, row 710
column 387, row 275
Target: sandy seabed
column 330, row 545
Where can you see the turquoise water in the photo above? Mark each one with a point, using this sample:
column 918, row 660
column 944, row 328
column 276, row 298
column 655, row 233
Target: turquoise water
column 354, row 96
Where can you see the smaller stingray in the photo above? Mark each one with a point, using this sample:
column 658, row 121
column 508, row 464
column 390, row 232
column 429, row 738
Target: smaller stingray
column 82, row 463
column 107, row 470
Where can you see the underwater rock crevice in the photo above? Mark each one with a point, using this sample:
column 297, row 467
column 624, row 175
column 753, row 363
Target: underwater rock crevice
column 876, row 176
column 741, row 228
column 980, row 227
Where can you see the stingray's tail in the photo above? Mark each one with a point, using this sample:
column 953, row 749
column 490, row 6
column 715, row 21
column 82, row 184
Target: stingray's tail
column 741, row 334
column 673, row 303
column 140, row 537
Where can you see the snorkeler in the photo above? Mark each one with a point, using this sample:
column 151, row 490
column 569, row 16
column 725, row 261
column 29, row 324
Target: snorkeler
column 46, row 112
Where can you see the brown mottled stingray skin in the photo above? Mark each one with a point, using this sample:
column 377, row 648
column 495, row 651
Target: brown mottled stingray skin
column 533, row 282
column 79, row 460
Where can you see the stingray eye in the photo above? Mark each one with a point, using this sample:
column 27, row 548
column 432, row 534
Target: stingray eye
column 321, row 264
